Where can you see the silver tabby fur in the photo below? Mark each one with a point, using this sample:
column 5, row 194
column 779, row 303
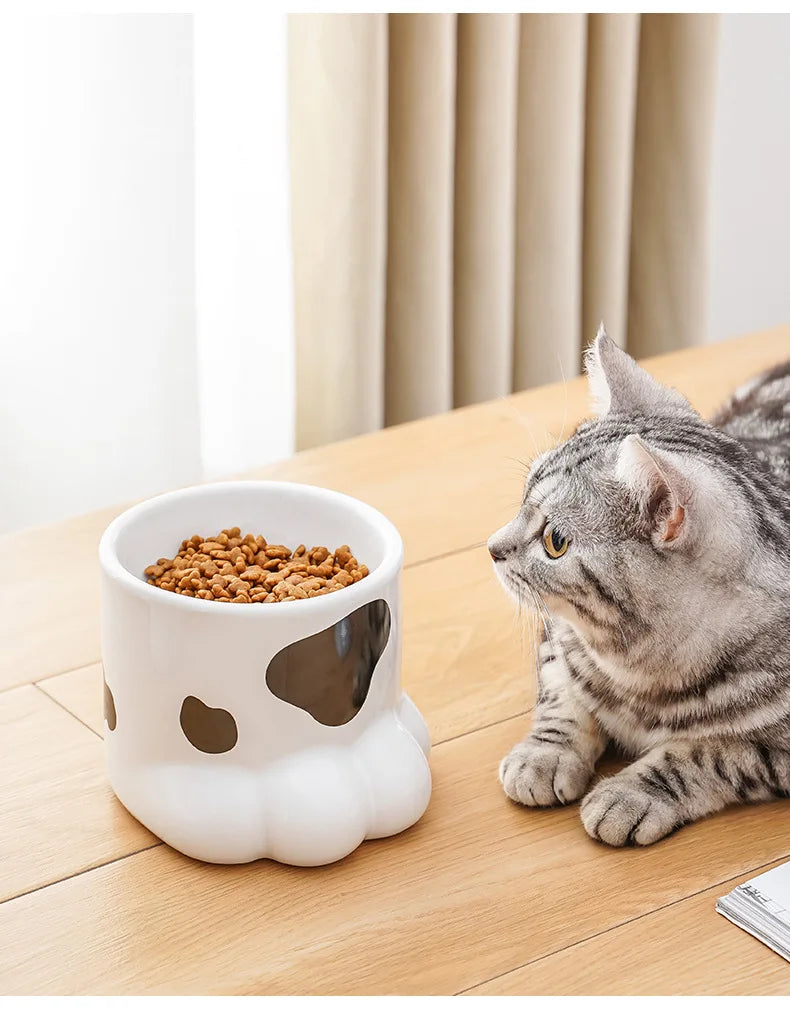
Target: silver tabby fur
column 670, row 610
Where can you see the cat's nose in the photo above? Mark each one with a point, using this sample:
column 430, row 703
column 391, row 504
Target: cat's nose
column 498, row 551
column 502, row 544
column 495, row 552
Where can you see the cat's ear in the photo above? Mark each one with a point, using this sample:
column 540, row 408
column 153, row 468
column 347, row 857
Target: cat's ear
column 618, row 386
column 658, row 486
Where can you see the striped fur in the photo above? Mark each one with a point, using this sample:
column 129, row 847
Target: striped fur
column 669, row 629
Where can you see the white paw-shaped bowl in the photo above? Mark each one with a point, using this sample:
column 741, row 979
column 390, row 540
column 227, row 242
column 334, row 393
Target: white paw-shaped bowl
column 242, row 731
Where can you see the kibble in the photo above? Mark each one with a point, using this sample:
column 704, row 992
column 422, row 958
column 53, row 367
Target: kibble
column 244, row 569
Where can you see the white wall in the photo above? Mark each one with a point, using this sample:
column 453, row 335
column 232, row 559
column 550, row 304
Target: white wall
column 98, row 391
column 750, row 200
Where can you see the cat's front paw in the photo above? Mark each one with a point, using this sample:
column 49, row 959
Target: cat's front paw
column 543, row 774
column 619, row 812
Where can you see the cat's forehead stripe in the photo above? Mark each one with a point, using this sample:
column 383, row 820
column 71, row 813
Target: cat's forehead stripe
column 585, row 444
column 680, row 436
column 588, row 442
column 540, row 497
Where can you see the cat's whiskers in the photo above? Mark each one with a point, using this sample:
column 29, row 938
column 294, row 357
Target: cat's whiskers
column 541, row 608
column 522, row 612
column 518, row 620
column 536, row 654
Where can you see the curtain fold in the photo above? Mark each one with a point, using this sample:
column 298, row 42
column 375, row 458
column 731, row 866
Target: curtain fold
column 472, row 194
column 338, row 153
column 485, row 203
column 549, row 166
column 674, row 129
column 612, row 68
column 420, row 215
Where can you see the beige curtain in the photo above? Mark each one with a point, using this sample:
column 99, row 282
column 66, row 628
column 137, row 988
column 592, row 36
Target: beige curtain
column 471, row 194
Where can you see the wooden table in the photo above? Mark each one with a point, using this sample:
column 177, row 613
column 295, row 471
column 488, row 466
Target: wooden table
column 481, row 896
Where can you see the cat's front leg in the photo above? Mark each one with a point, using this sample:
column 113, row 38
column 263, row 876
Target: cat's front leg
column 556, row 760
column 680, row 783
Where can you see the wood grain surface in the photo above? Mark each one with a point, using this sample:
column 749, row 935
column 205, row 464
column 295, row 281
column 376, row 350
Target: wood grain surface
column 58, row 815
column 686, row 947
column 481, row 896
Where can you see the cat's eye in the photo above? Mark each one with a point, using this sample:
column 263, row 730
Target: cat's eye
column 554, row 543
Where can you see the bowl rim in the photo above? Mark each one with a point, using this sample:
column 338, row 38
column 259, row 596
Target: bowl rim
column 386, row 570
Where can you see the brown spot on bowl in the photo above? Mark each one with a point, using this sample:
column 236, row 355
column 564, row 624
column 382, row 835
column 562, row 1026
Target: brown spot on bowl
column 210, row 729
column 110, row 716
column 329, row 674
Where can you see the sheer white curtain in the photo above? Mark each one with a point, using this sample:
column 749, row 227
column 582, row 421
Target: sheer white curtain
column 243, row 244
column 145, row 302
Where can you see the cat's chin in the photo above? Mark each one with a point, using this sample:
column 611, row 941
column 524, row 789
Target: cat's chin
column 511, row 585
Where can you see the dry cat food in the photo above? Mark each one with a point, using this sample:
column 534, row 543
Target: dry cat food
column 236, row 569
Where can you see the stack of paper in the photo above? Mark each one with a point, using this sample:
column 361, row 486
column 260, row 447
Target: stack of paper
column 761, row 906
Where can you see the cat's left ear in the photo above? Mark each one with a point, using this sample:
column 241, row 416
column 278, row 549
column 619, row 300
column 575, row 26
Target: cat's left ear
column 658, row 486
column 618, row 386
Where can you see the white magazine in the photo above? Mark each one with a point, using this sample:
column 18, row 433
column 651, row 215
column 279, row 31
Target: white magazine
column 761, row 906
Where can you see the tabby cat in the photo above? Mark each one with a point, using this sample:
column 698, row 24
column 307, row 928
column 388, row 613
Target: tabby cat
column 657, row 547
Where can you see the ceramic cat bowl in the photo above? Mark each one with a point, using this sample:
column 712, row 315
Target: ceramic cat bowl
column 242, row 731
